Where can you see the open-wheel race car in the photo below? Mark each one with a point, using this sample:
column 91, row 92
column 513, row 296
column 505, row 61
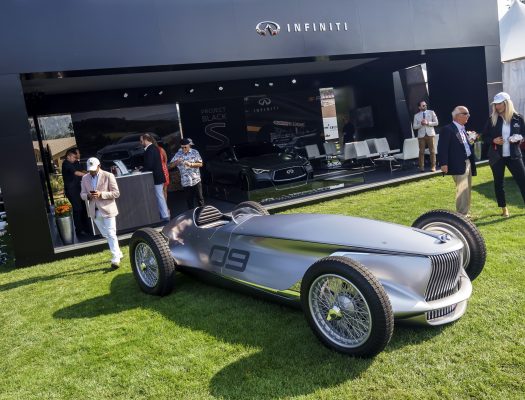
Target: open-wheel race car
column 352, row 276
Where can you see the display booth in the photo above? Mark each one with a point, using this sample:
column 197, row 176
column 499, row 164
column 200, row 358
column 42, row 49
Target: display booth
column 294, row 75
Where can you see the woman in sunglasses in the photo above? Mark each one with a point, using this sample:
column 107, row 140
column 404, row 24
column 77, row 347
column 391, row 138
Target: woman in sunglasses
column 503, row 134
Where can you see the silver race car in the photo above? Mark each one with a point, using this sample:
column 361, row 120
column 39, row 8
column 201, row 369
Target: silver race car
column 352, row 276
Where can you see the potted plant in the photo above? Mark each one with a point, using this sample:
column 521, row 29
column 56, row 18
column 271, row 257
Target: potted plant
column 64, row 220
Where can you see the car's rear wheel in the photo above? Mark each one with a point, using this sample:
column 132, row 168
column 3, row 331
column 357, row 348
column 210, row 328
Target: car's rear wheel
column 151, row 262
column 455, row 224
column 347, row 307
column 254, row 205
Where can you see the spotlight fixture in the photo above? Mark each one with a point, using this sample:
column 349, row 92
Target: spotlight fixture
column 294, row 81
column 125, row 95
column 270, row 84
column 161, row 92
column 256, row 84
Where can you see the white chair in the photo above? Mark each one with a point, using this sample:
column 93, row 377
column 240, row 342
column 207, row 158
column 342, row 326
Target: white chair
column 312, row 151
column 410, row 150
column 362, row 148
column 372, row 145
column 382, row 146
column 330, row 149
column 349, row 151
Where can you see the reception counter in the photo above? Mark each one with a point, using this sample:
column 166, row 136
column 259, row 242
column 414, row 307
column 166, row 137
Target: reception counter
column 137, row 204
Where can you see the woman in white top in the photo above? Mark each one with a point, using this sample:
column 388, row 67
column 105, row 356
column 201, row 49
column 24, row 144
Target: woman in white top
column 503, row 133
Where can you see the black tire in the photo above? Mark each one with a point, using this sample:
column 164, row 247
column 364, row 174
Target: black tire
column 360, row 293
column 151, row 262
column 252, row 204
column 455, row 224
column 245, row 182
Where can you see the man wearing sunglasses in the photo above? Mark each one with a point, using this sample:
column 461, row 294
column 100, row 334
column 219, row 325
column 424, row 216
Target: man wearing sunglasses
column 424, row 122
column 456, row 156
column 189, row 161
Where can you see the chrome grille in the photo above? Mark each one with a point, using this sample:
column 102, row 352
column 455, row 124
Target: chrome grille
column 444, row 277
column 440, row 312
column 289, row 174
column 444, row 281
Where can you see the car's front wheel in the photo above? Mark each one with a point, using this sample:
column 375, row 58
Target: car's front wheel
column 347, row 307
column 151, row 262
column 455, row 224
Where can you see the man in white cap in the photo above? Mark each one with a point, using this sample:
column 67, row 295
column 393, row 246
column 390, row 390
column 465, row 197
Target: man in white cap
column 100, row 189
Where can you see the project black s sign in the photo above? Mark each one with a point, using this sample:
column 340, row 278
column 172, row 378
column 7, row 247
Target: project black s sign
column 271, row 28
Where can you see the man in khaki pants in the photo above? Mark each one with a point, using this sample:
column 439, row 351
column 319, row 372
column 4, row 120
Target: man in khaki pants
column 456, row 157
column 100, row 189
column 424, row 123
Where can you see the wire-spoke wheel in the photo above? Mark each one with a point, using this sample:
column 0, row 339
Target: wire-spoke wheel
column 147, row 266
column 340, row 310
column 456, row 225
column 151, row 261
column 346, row 307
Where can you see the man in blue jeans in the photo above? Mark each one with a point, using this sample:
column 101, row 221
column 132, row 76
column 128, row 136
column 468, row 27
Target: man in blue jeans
column 153, row 163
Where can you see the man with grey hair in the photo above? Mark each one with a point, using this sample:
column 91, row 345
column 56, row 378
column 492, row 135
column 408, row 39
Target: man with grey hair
column 456, row 157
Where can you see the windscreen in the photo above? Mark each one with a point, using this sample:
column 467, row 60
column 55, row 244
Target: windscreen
column 243, row 213
column 255, row 149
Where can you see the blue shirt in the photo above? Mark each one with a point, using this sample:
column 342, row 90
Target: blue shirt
column 463, row 135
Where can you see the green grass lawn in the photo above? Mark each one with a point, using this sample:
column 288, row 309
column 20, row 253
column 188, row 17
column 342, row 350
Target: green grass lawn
column 72, row 329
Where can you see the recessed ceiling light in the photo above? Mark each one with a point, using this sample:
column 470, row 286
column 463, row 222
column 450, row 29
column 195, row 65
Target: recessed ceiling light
column 256, row 84
column 125, row 95
column 220, row 88
column 294, row 81
column 270, row 83
column 161, row 93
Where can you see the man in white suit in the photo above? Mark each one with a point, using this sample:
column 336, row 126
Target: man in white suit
column 424, row 122
column 100, row 189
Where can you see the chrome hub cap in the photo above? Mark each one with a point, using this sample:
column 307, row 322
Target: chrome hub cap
column 340, row 311
column 147, row 266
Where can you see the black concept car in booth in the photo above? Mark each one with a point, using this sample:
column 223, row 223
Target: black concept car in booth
column 352, row 276
column 257, row 165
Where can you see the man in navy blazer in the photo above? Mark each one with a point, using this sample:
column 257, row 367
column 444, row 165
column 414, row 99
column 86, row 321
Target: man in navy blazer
column 153, row 163
column 456, row 157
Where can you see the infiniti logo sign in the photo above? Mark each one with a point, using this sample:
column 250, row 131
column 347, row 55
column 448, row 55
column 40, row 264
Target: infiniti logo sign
column 267, row 28
column 265, row 101
column 271, row 28
column 289, row 171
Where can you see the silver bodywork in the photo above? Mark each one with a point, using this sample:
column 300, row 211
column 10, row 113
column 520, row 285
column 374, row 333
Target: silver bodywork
column 421, row 272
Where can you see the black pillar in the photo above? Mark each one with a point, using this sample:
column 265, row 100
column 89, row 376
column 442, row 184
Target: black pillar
column 19, row 178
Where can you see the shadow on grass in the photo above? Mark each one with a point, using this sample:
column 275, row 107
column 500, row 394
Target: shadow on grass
column 37, row 279
column 512, row 193
column 290, row 362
